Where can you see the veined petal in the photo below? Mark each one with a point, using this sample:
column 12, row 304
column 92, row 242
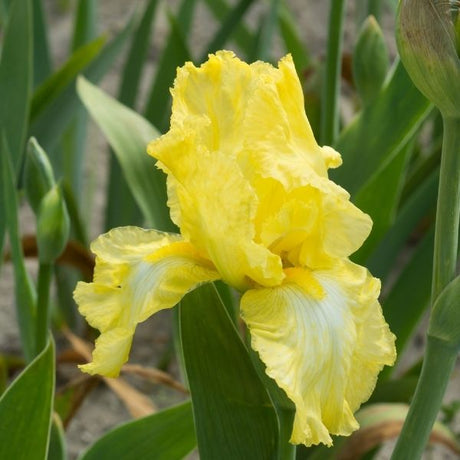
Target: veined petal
column 110, row 353
column 324, row 340
column 281, row 143
column 217, row 208
column 138, row 272
column 219, row 146
column 310, row 224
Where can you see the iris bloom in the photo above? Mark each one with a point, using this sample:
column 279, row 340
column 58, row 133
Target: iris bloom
column 249, row 190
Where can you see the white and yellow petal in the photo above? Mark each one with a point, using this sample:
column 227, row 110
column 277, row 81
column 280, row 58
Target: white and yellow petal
column 138, row 272
column 324, row 340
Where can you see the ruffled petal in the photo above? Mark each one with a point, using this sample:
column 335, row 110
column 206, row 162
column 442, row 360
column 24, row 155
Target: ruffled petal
column 280, row 144
column 217, row 208
column 310, row 225
column 110, row 353
column 138, row 272
column 324, row 340
column 219, row 147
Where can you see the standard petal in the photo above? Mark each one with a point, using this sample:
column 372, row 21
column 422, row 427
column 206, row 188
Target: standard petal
column 324, row 340
column 310, row 224
column 219, row 146
column 215, row 206
column 137, row 273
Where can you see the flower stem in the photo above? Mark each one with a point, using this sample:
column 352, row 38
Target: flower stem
column 447, row 214
column 440, row 355
column 437, row 366
column 331, row 83
column 45, row 271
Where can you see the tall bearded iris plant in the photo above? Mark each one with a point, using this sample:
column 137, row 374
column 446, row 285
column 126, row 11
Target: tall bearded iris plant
column 249, row 190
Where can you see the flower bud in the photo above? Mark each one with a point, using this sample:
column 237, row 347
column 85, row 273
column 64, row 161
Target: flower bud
column 38, row 174
column 427, row 43
column 370, row 60
column 445, row 317
column 52, row 226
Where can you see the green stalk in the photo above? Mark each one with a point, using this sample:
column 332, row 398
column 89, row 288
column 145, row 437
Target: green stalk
column 374, row 8
column 447, row 214
column 332, row 71
column 437, row 366
column 268, row 30
column 45, row 272
column 440, row 355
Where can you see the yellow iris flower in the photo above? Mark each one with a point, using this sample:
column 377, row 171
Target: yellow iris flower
column 249, row 190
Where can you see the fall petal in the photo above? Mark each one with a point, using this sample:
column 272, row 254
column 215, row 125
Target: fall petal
column 137, row 273
column 323, row 339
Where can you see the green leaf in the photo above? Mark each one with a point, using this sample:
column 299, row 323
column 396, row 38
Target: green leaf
column 228, row 25
column 121, row 208
column 400, row 390
column 76, row 221
column 74, row 138
column 292, row 41
column 267, row 31
column 53, row 86
column 379, row 197
column 26, row 408
column 85, row 23
column 242, row 35
column 41, row 53
column 174, row 54
column 57, row 446
column 332, row 74
column 420, row 204
column 136, row 57
column 24, row 290
column 167, row 435
column 16, row 78
column 410, row 296
column 128, row 134
column 285, row 408
column 234, row 417
column 380, row 130
column 52, row 122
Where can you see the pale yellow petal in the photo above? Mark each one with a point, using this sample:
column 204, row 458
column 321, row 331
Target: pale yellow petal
column 137, row 274
column 127, row 244
column 100, row 304
column 110, row 353
column 323, row 346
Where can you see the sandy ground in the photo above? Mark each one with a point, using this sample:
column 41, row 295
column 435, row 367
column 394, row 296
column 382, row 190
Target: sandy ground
column 103, row 409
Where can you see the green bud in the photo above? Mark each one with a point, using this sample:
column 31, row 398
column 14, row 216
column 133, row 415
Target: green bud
column 427, row 43
column 370, row 60
column 38, row 174
column 52, row 226
column 445, row 317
